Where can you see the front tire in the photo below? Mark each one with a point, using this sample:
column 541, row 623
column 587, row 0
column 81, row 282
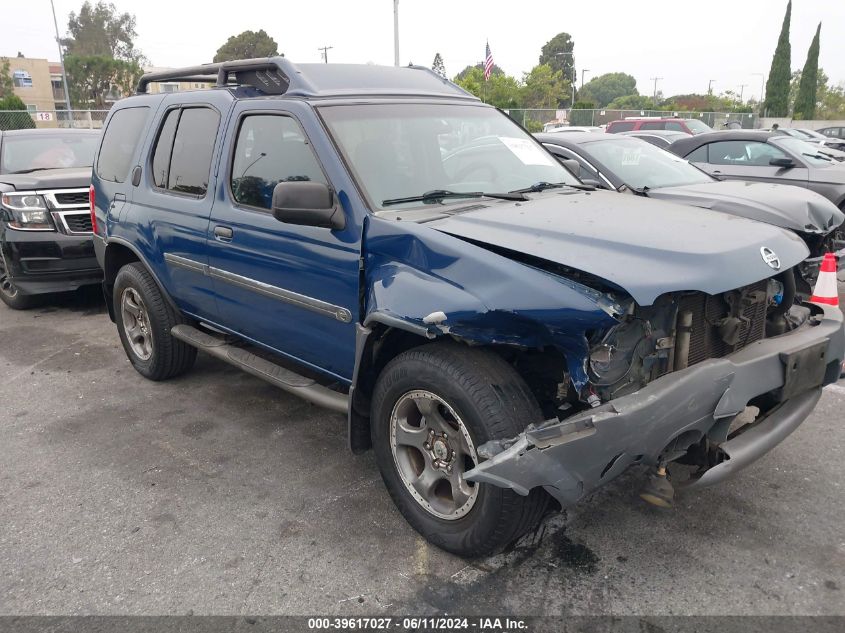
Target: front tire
column 9, row 293
column 432, row 407
column 144, row 320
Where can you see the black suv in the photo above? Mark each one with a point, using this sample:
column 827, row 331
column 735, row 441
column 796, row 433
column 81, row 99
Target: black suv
column 45, row 220
column 383, row 244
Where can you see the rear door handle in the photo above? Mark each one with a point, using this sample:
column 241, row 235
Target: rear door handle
column 223, row 233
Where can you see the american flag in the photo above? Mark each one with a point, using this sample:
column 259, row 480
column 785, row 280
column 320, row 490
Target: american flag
column 488, row 63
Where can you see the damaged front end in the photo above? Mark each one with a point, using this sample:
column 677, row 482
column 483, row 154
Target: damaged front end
column 670, row 382
column 819, row 244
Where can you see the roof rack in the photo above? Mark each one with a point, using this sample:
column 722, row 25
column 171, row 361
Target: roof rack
column 278, row 75
column 271, row 75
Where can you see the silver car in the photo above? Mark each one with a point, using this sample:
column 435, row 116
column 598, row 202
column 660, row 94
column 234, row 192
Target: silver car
column 765, row 157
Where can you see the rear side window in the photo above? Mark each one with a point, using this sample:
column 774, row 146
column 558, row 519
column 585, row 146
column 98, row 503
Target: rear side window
column 270, row 149
column 653, row 125
column 182, row 156
column 119, row 143
column 675, row 126
column 745, row 153
column 698, row 156
column 622, row 126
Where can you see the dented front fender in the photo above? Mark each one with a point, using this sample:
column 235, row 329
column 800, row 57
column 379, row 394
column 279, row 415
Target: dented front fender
column 413, row 272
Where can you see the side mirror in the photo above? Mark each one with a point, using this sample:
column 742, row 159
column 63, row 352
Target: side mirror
column 592, row 182
column 785, row 163
column 572, row 165
column 307, row 203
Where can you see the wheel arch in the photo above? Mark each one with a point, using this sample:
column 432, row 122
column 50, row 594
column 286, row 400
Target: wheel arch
column 119, row 253
column 378, row 342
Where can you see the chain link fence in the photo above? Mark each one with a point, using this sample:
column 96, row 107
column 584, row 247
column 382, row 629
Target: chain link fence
column 535, row 120
column 80, row 119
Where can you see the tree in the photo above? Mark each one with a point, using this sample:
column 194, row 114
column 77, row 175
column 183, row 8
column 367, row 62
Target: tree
column 495, row 71
column 632, row 102
column 605, row 88
column 544, row 87
column 777, row 87
column 830, row 100
column 247, row 45
column 806, row 100
column 19, row 118
column 558, row 53
column 438, row 66
column 7, row 84
column 502, row 91
column 100, row 54
column 91, row 78
column 100, row 31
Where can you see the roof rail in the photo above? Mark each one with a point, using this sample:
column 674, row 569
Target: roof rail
column 271, row 75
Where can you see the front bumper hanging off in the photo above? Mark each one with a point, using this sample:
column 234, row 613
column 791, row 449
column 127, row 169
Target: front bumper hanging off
column 574, row 457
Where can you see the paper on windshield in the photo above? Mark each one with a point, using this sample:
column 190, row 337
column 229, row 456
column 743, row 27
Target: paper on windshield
column 526, row 151
column 631, row 156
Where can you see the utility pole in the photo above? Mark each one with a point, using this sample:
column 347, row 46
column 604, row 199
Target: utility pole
column 395, row 32
column 710, row 87
column 325, row 50
column 655, row 80
column 61, row 62
column 584, row 72
column 741, row 92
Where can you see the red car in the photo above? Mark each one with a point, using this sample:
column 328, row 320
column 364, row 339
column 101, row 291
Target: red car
column 690, row 126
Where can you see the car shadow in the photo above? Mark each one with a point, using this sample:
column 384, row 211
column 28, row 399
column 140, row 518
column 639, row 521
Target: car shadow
column 86, row 301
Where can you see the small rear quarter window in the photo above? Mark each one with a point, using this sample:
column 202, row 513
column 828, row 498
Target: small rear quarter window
column 119, row 142
column 622, row 126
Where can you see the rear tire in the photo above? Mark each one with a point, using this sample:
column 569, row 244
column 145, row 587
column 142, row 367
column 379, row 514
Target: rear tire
column 452, row 399
column 144, row 320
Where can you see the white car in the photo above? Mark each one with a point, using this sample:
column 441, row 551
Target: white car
column 574, row 128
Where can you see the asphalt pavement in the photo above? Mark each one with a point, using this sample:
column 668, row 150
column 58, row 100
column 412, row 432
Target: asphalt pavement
column 216, row 493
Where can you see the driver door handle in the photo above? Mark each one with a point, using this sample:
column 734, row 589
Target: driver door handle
column 223, row 233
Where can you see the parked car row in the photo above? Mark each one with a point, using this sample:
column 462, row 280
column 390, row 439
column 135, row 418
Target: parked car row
column 622, row 163
column 505, row 336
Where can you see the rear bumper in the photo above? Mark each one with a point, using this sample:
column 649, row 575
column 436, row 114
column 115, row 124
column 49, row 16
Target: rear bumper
column 45, row 262
column 574, row 457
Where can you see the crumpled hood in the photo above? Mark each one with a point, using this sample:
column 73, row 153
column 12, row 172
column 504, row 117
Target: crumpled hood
column 787, row 206
column 75, row 177
column 645, row 246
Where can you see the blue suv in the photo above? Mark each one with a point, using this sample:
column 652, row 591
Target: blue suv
column 385, row 245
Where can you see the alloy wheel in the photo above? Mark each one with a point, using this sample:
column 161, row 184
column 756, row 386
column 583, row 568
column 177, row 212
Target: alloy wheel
column 432, row 450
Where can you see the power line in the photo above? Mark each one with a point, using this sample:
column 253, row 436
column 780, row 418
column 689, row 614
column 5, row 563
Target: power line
column 325, row 50
column 655, row 80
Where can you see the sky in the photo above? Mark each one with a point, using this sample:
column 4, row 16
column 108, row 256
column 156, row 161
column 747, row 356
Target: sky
column 687, row 44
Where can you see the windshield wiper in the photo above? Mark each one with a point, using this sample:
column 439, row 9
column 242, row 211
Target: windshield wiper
column 436, row 195
column 29, row 171
column 537, row 187
column 819, row 156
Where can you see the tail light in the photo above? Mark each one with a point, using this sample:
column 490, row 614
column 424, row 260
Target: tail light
column 92, row 199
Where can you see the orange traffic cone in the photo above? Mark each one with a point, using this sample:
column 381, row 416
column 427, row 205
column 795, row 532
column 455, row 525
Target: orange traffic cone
column 825, row 291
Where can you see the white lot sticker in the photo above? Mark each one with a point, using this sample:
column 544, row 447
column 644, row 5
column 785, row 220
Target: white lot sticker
column 526, row 151
column 631, row 157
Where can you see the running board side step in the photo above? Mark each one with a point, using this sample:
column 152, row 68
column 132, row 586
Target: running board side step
column 306, row 388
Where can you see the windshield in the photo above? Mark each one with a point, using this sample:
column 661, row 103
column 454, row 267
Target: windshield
column 697, row 127
column 813, row 134
column 27, row 152
column 640, row 164
column 407, row 149
column 808, row 153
